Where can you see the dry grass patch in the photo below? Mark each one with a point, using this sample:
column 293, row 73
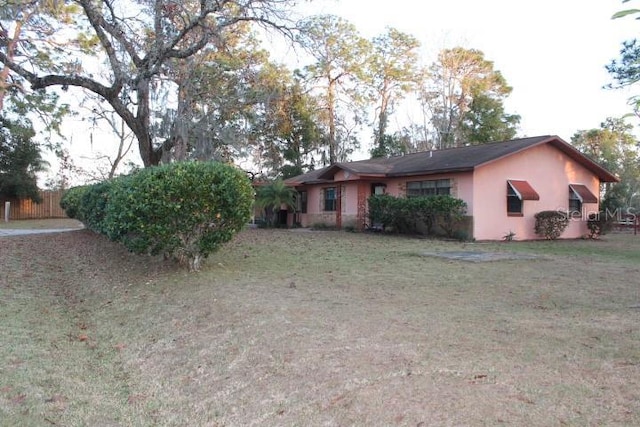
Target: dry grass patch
column 320, row 328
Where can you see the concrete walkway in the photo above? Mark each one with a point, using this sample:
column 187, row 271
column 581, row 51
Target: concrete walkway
column 5, row 232
column 478, row 256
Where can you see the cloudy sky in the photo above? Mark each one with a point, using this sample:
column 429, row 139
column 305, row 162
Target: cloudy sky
column 552, row 52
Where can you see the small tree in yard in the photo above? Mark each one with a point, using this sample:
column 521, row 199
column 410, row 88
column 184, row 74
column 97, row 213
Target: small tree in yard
column 551, row 224
column 184, row 210
column 20, row 159
column 272, row 196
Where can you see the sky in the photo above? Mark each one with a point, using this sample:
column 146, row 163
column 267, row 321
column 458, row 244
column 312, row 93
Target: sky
column 552, row 52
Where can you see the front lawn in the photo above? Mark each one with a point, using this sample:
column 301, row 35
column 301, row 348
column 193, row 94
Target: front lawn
column 320, row 328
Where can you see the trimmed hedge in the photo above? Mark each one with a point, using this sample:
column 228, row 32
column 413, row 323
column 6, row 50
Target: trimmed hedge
column 70, row 202
column 93, row 206
column 551, row 224
column 185, row 211
column 87, row 204
column 405, row 215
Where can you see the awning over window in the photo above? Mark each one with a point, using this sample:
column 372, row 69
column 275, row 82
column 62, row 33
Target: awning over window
column 523, row 190
column 583, row 193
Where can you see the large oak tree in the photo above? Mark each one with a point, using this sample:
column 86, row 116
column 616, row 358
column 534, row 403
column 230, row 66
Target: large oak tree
column 138, row 39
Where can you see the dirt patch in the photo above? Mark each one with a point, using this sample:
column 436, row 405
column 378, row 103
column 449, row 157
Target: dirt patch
column 328, row 328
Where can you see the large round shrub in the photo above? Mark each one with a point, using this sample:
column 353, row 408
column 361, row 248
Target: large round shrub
column 183, row 210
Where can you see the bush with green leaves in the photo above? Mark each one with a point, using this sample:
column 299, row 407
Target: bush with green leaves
column 93, row 205
column 443, row 210
column 88, row 204
column 551, row 224
column 71, row 201
column 381, row 210
column 405, row 215
column 183, row 210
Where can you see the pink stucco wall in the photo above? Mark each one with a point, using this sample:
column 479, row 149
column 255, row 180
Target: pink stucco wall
column 315, row 213
column 350, row 198
column 549, row 171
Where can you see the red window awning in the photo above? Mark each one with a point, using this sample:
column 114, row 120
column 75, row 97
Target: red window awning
column 583, row 193
column 523, row 190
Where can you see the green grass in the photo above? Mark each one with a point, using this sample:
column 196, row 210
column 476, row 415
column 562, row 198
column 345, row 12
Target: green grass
column 320, row 328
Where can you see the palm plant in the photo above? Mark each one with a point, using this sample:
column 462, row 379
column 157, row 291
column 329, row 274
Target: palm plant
column 272, row 196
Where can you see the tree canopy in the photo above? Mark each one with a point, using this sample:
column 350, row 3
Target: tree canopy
column 452, row 83
column 392, row 74
column 340, row 54
column 192, row 80
column 20, row 160
column 139, row 40
column 613, row 146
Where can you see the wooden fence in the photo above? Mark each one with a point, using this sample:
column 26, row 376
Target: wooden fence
column 49, row 207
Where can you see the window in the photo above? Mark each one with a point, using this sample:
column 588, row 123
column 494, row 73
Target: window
column 429, row 188
column 579, row 194
column 378, row 189
column 330, row 199
column 517, row 192
column 575, row 204
column 302, row 202
column 514, row 203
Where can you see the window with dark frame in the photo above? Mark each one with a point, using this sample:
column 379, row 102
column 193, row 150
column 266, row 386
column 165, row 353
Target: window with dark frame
column 514, row 203
column 431, row 187
column 517, row 192
column 575, row 204
column 330, row 199
column 378, row 189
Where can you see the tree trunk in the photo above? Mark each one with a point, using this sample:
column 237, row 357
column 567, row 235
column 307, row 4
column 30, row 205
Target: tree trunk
column 141, row 127
column 333, row 152
column 4, row 73
column 382, row 119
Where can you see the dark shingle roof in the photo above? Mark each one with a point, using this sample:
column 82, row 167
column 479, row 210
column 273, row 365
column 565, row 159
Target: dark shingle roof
column 459, row 159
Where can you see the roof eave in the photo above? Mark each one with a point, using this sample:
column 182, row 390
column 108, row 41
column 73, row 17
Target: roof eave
column 432, row 172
